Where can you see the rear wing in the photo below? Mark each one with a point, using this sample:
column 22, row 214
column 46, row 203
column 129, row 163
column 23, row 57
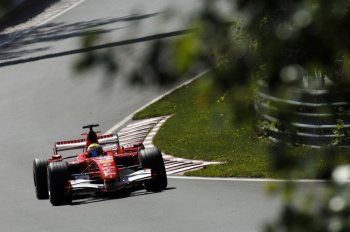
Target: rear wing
column 110, row 141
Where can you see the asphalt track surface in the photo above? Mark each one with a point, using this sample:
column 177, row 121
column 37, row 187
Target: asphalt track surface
column 43, row 101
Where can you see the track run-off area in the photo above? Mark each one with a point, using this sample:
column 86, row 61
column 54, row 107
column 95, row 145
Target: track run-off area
column 43, row 100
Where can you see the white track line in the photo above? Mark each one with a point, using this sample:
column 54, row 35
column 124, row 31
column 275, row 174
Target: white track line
column 129, row 117
column 61, row 13
column 21, row 33
column 246, row 179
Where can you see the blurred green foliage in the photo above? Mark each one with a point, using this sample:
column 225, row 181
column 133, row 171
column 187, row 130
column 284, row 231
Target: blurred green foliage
column 278, row 42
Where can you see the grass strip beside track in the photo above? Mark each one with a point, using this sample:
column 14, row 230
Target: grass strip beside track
column 202, row 128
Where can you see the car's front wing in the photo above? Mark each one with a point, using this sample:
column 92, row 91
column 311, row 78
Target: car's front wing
column 83, row 185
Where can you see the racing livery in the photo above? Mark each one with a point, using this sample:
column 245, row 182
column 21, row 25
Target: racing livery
column 104, row 166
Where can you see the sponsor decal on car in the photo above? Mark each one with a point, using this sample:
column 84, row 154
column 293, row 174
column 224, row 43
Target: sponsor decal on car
column 105, row 158
column 109, row 171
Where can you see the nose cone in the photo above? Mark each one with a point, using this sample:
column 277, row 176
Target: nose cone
column 109, row 174
column 107, row 168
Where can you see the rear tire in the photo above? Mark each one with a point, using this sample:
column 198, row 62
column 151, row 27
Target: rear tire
column 40, row 177
column 152, row 158
column 58, row 183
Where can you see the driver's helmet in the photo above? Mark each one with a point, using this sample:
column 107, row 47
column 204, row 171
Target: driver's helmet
column 94, row 150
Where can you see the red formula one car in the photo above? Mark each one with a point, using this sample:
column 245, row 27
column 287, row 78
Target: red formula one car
column 104, row 166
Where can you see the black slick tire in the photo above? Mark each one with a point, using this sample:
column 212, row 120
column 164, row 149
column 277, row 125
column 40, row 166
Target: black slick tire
column 58, row 180
column 151, row 158
column 40, row 177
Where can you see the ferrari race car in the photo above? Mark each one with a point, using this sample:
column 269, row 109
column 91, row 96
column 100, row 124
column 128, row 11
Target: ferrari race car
column 104, row 166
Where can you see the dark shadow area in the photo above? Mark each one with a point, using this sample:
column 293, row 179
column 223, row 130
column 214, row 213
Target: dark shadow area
column 97, row 47
column 51, row 32
column 135, row 192
column 24, row 12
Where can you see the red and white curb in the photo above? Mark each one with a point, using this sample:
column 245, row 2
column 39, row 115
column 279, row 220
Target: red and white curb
column 144, row 131
column 137, row 131
column 148, row 140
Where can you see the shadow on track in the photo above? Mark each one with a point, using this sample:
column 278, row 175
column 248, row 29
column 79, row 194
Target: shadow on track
column 125, row 194
column 59, row 31
column 97, row 47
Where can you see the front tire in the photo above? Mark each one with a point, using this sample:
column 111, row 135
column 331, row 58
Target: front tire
column 152, row 158
column 58, row 183
column 40, row 177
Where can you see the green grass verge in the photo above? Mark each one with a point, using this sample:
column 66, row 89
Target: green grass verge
column 202, row 127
